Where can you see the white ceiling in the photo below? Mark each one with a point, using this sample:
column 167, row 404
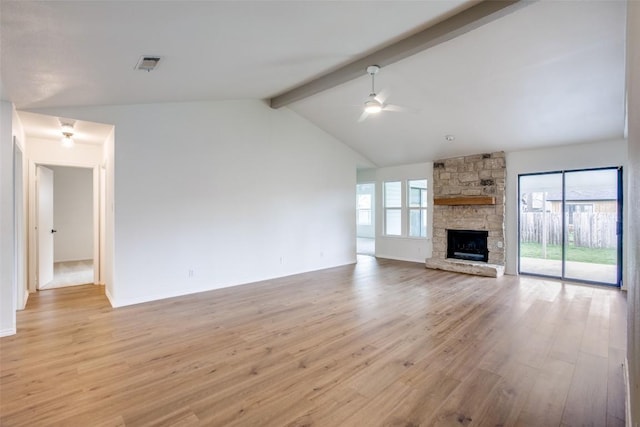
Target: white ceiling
column 550, row 73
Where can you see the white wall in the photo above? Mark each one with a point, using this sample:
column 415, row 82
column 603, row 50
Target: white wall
column 11, row 231
column 72, row 213
column 403, row 248
column 21, row 177
column 7, row 253
column 51, row 151
column 233, row 192
column 107, row 209
column 578, row 156
column 633, row 203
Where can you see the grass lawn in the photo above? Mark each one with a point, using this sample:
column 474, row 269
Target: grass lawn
column 592, row 255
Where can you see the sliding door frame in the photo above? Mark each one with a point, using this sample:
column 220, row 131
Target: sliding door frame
column 619, row 227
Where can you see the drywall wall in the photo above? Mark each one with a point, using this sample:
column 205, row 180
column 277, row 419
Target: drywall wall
column 633, row 203
column 72, row 213
column 51, row 152
column 12, row 286
column 214, row 194
column 7, row 252
column 578, row 156
column 21, row 180
column 107, row 209
column 403, row 248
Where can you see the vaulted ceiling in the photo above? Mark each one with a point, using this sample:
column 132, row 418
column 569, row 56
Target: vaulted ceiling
column 549, row 73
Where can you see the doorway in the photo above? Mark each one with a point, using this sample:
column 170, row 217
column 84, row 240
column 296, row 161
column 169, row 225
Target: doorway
column 365, row 219
column 570, row 225
column 65, row 226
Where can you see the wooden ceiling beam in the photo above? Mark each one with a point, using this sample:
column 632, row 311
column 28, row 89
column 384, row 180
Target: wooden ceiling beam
column 469, row 19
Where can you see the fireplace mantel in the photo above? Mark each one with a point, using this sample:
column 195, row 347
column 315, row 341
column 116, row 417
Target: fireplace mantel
column 462, row 201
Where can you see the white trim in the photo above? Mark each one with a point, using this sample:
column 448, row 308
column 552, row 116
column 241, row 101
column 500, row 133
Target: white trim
column 7, row 332
column 627, row 391
column 109, row 297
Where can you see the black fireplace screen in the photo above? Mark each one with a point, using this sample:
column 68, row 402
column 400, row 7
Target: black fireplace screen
column 470, row 245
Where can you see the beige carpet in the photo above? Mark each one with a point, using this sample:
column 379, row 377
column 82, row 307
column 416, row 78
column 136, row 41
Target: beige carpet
column 71, row 273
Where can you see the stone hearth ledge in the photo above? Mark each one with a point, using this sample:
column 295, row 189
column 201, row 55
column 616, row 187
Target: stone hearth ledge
column 468, row 267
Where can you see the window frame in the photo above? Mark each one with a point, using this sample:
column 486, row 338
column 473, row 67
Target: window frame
column 386, row 208
column 404, row 209
column 422, row 209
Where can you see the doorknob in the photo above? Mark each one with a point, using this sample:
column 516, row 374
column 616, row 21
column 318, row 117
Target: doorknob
column 53, row 231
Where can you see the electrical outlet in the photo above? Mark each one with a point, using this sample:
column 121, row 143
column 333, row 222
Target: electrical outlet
column 191, row 273
column 281, row 260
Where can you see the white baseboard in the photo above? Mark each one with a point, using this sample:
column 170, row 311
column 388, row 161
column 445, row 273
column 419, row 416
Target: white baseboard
column 627, row 392
column 108, row 295
column 7, row 332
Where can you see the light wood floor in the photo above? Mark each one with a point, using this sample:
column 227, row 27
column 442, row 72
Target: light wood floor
column 380, row 343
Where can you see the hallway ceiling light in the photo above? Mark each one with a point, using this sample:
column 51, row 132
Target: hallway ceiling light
column 67, row 141
column 67, row 133
column 67, row 129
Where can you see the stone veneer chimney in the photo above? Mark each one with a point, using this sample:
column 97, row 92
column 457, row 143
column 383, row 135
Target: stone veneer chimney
column 462, row 187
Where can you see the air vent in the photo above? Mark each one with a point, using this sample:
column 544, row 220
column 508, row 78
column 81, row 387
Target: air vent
column 147, row 63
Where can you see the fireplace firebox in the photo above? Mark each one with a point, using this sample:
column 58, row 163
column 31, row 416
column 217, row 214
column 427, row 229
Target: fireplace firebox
column 470, row 245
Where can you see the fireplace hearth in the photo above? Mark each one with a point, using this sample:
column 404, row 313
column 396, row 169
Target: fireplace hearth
column 470, row 245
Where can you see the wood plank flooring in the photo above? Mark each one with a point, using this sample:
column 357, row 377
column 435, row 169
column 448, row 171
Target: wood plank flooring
column 381, row 343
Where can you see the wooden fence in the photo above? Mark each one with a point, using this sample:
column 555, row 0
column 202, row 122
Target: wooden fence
column 589, row 230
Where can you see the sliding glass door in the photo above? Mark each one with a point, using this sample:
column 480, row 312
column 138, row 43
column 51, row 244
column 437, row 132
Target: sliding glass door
column 570, row 225
column 541, row 224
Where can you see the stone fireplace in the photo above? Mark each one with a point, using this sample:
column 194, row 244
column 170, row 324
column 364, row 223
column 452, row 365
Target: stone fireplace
column 468, row 214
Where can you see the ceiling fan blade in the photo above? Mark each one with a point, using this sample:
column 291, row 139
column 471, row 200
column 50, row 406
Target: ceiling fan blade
column 382, row 96
column 363, row 117
column 398, row 109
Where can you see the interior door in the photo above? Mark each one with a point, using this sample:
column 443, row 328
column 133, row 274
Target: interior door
column 45, row 225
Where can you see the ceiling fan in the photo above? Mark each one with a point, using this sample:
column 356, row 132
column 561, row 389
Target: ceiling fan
column 375, row 103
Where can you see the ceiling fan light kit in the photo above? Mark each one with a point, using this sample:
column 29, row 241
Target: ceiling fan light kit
column 376, row 103
column 372, row 105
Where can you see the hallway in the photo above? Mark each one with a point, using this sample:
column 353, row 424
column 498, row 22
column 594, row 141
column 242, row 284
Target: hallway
column 70, row 273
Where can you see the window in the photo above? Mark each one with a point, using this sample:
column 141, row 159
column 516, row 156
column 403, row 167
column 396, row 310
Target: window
column 405, row 212
column 417, row 196
column 393, row 208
